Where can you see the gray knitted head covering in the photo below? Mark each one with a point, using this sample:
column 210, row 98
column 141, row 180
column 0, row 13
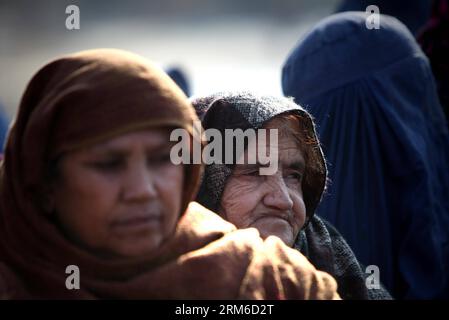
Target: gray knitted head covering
column 245, row 110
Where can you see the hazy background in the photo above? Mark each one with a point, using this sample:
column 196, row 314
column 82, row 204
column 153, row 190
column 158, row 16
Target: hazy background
column 222, row 45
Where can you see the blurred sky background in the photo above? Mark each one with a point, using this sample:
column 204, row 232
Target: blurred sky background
column 222, row 45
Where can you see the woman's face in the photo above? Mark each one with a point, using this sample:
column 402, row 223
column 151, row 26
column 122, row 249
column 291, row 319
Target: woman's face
column 122, row 196
column 273, row 204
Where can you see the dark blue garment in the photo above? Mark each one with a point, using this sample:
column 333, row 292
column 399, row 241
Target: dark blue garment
column 386, row 141
column 180, row 78
column 4, row 123
column 413, row 13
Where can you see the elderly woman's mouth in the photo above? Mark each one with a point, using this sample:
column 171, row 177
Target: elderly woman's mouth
column 285, row 216
column 271, row 220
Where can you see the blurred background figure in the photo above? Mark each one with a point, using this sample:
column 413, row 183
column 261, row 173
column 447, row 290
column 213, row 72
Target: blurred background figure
column 386, row 140
column 221, row 45
column 4, row 123
column 434, row 40
column 413, row 13
column 180, row 78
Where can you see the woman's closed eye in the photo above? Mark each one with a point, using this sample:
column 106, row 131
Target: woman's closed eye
column 109, row 165
column 159, row 160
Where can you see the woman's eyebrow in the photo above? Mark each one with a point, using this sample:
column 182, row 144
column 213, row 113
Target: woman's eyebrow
column 110, row 152
column 160, row 146
column 248, row 166
column 163, row 149
column 298, row 165
column 164, row 146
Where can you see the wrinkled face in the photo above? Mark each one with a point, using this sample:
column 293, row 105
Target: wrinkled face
column 122, row 196
column 273, row 204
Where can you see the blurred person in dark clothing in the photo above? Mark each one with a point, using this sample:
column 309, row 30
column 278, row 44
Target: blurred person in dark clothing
column 434, row 40
column 383, row 132
column 412, row 13
column 180, row 78
column 4, row 124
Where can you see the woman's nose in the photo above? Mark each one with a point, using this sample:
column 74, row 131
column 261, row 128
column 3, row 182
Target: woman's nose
column 139, row 184
column 277, row 194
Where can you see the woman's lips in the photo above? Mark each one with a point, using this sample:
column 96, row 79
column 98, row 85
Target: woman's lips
column 136, row 223
column 274, row 216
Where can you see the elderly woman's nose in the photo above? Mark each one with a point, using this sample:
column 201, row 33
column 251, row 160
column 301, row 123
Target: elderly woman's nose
column 139, row 183
column 277, row 194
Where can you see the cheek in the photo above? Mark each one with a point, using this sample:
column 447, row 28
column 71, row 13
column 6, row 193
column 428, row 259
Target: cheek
column 299, row 209
column 170, row 183
column 240, row 198
column 84, row 204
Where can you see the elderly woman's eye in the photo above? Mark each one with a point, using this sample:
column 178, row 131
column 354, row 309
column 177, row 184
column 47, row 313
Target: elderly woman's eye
column 250, row 172
column 253, row 173
column 295, row 176
column 246, row 172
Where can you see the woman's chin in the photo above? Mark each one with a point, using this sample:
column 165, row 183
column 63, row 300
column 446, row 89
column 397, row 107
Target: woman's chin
column 275, row 227
column 137, row 249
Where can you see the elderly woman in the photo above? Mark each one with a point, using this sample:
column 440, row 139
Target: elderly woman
column 281, row 203
column 373, row 97
column 87, row 184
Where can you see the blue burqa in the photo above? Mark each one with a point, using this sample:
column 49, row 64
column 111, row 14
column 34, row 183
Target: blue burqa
column 386, row 141
column 4, row 122
column 413, row 13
